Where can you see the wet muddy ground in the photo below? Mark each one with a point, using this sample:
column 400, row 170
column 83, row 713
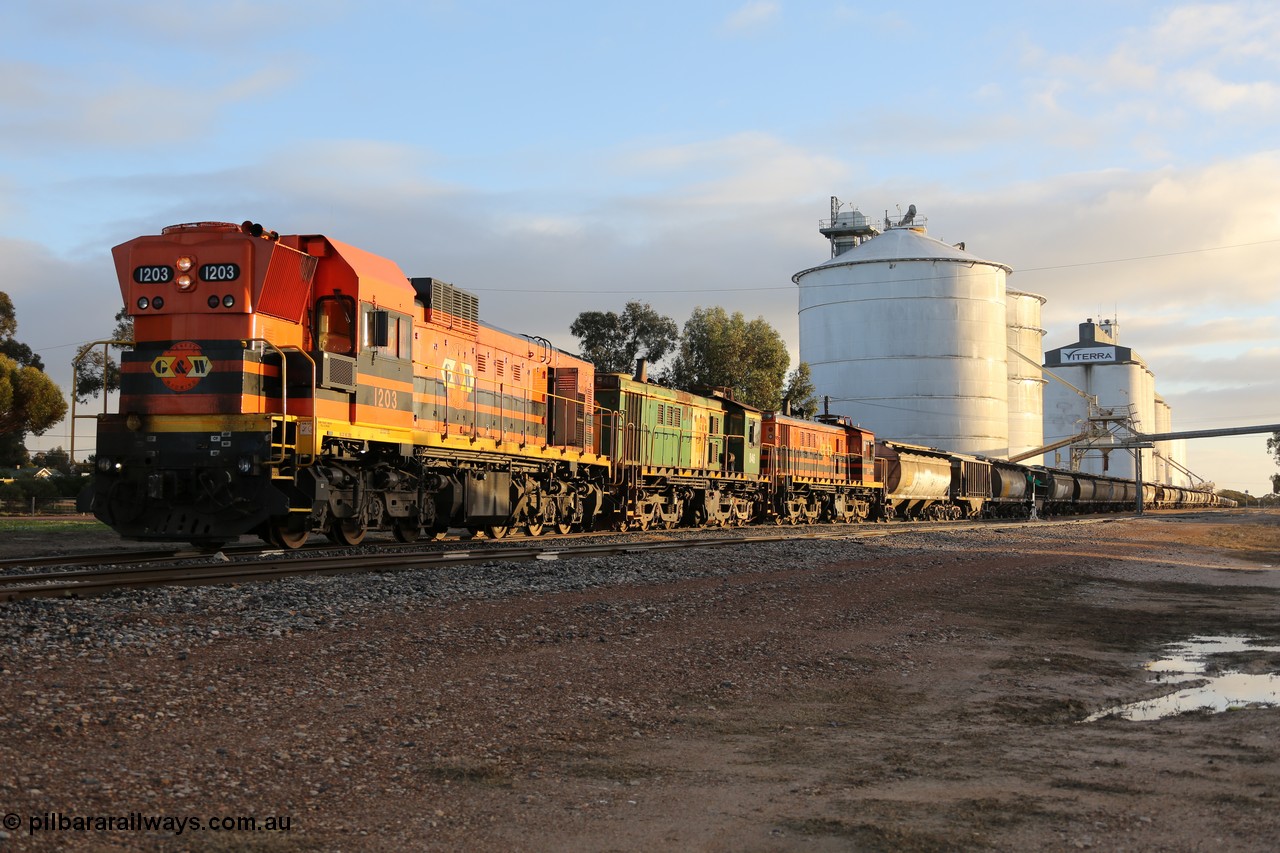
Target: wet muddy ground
column 920, row 693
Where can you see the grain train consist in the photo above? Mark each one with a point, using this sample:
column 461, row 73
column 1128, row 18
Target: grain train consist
column 290, row 385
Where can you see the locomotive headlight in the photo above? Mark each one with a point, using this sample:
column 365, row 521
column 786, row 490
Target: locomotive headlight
column 157, row 303
column 185, row 263
column 104, row 465
column 228, row 301
column 186, row 283
column 143, row 303
column 244, row 464
column 213, row 301
column 133, row 421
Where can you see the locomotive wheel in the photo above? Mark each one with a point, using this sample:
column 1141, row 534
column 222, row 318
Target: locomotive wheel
column 290, row 540
column 406, row 532
column 562, row 529
column 347, row 532
column 533, row 529
column 496, row 531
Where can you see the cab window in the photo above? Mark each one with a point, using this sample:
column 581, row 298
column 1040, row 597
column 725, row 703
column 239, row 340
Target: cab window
column 335, row 324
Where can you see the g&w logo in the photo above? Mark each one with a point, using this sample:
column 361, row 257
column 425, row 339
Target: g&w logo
column 182, row 366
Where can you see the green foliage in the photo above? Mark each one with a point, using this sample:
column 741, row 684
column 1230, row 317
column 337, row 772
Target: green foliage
column 800, row 391
column 13, row 449
column 719, row 350
column 613, row 342
column 56, row 459
column 49, row 527
column 8, row 317
column 29, row 400
column 19, row 352
column 95, row 369
column 41, row 488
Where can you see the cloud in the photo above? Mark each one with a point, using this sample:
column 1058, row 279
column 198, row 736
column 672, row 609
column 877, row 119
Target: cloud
column 752, row 16
column 1213, row 93
column 1217, row 58
column 750, row 168
column 59, row 303
column 121, row 111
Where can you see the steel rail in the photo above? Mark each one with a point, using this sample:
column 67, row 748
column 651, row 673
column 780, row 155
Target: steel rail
column 89, row 582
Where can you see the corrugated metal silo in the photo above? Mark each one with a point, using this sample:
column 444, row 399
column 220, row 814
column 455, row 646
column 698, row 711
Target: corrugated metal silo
column 1026, row 379
column 1164, row 423
column 907, row 335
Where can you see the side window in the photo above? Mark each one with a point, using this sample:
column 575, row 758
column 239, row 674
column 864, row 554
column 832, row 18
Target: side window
column 390, row 333
column 335, row 324
column 376, row 328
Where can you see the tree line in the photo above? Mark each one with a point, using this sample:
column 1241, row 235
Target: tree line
column 716, row 349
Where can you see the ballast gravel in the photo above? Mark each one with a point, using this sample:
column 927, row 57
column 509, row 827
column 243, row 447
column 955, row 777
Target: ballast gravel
column 920, row 691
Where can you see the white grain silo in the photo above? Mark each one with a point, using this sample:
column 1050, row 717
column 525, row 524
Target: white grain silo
column 1164, row 449
column 1026, row 379
column 907, row 335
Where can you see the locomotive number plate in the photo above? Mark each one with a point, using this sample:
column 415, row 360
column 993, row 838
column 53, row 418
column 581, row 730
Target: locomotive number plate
column 153, row 274
column 219, row 272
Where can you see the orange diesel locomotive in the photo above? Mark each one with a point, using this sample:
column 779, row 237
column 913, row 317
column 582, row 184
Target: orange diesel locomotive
column 283, row 385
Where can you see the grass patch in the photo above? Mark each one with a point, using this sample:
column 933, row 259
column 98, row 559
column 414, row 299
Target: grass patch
column 1038, row 712
column 18, row 524
column 1095, row 785
column 870, row 837
column 475, row 774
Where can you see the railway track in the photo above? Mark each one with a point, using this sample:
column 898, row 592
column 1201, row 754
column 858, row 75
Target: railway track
column 134, row 570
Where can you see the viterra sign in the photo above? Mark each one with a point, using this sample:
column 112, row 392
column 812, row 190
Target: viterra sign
column 1087, row 355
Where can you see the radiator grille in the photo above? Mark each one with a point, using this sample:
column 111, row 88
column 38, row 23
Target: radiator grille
column 284, row 290
column 448, row 306
column 338, row 371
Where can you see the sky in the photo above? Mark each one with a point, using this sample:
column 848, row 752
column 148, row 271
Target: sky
column 1122, row 157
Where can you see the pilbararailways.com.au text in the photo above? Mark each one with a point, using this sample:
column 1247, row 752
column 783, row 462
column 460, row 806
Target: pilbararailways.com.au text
column 139, row 822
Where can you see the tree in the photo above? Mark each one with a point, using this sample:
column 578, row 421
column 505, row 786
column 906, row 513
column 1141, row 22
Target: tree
column 19, row 352
column 29, row 400
column 800, row 391
column 56, row 459
column 95, row 369
column 1273, row 447
column 613, row 342
column 719, row 350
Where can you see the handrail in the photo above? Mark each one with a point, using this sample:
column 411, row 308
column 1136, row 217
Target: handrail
column 284, row 385
column 75, row 371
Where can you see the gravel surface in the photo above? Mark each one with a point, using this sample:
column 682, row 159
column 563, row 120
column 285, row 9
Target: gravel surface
column 920, row 692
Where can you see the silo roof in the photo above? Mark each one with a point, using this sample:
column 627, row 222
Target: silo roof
column 901, row 244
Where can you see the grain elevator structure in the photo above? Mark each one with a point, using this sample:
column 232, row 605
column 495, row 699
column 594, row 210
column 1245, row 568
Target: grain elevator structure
column 910, row 337
column 924, row 342
column 1111, row 394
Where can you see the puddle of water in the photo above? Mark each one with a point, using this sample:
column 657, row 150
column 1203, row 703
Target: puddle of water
column 1188, row 662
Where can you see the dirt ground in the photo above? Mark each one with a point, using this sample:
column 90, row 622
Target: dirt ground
column 912, row 695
